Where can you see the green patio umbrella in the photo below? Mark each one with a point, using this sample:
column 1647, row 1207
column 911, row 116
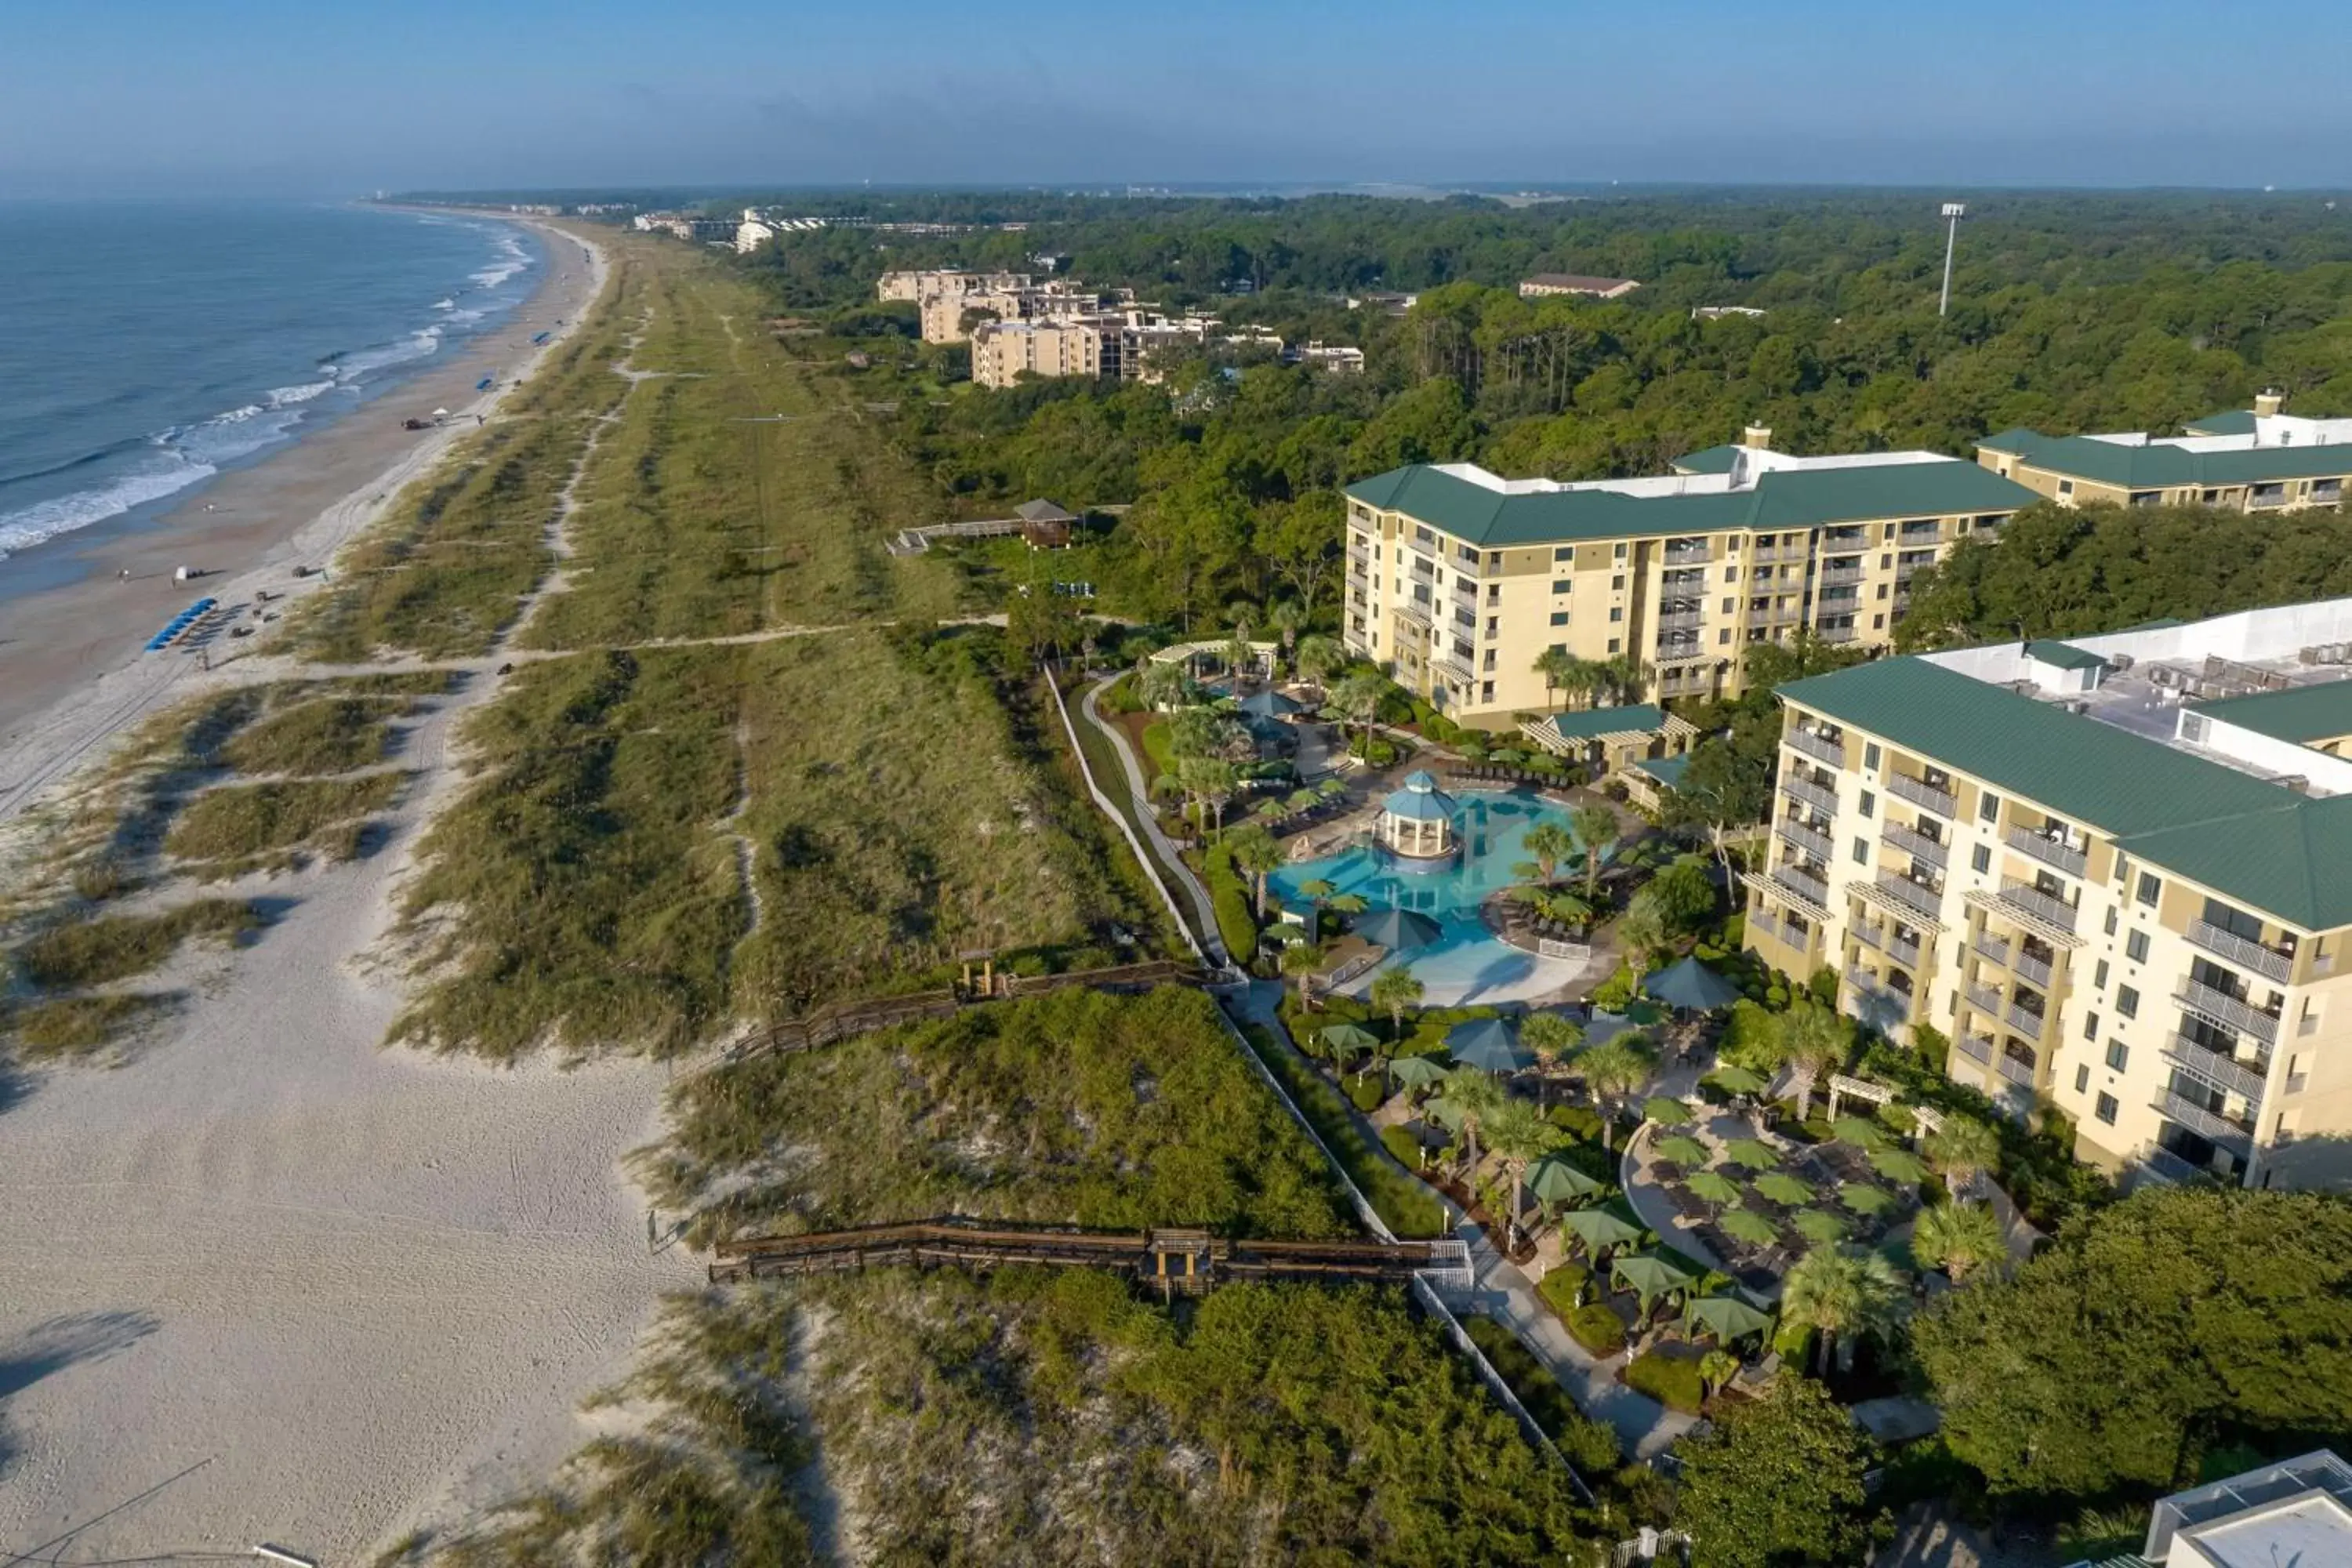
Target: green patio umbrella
column 1820, row 1227
column 1784, row 1189
column 1649, row 1277
column 1331, row 789
column 1683, row 1150
column 1417, row 1072
column 1728, row 1318
column 1747, row 1225
column 1734, row 1079
column 1599, row 1229
column 1300, row 799
column 1898, row 1165
column 1554, row 1180
column 1346, row 1040
column 1690, row 986
column 1644, row 1014
column 1867, row 1200
column 1666, row 1110
column 1752, row 1154
column 1860, row 1131
column 1269, row 704
column 1399, row 930
column 1713, row 1186
column 1490, row 1045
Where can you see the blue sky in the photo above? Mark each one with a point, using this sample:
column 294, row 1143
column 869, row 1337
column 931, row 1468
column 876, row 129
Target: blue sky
column 257, row 95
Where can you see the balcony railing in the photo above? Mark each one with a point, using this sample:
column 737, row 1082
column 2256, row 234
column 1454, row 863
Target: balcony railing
column 1984, row 999
column 1415, row 612
column 2025, row 896
column 1834, row 634
column 2205, row 1123
column 2247, row 1078
column 2024, row 1019
column 1934, row 851
column 1867, row 935
column 2263, row 960
column 1804, row 837
column 2016, row 1071
column 1682, row 621
column 1903, row 889
column 1773, row 553
column 2226, row 1010
column 2167, row 1166
column 1465, row 593
column 1454, row 665
column 1803, row 883
column 1359, row 556
column 1812, row 793
column 1819, row 747
column 1992, row 948
column 1838, row 574
column 1976, row 1046
column 1682, row 653
column 2050, row 852
column 1920, row 792
column 1760, row 919
column 1903, row 953
column 1688, row 556
column 2028, row 967
column 2259, row 502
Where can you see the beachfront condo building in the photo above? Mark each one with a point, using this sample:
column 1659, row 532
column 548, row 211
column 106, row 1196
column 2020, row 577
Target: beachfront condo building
column 1458, row 580
column 915, row 287
column 1003, row 352
column 2257, row 460
column 2113, row 872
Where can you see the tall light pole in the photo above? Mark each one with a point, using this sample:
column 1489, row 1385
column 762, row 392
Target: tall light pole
column 1954, row 211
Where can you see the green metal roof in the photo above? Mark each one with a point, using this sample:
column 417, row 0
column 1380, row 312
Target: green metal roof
column 2228, row 422
column 2258, row 844
column 2155, row 467
column 2301, row 714
column 1708, row 460
column 2062, row 655
column 1783, row 498
column 1667, row 771
column 1590, row 723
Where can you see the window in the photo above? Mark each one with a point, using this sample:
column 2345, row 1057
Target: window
column 1878, row 623
column 2149, row 888
column 1980, row 858
column 2136, row 947
column 1486, row 691
column 1423, row 536
column 1862, row 851
column 1870, row 755
column 2108, row 1109
column 1621, row 555
column 1724, row 636
column 2099, row 976
column 1729, row 605
column 2066, row 487
column 1731, row 574
column 1987, row 806
column 1616, row 644
column 1869, row 803
column 1560, row 618
column 2111, row 921
column 2083, row 1079
column 2128, row 1001
column 1565, row 553
column 1616, row 612
column 1562, row 585
column 1617, row 582
column 2090, row 1026
column 2117, row 1055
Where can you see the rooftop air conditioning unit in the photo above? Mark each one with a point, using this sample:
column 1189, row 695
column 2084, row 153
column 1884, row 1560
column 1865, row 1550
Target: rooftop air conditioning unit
column 2120, row 661
column 2076, row 705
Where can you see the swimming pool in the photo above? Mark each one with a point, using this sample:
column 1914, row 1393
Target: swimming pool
column 1466, row 962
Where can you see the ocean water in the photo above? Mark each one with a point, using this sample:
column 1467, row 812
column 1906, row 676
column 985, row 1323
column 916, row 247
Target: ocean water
column 145, row 348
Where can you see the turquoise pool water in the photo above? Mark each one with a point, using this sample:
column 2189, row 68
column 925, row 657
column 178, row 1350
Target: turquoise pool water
column 1466, row 964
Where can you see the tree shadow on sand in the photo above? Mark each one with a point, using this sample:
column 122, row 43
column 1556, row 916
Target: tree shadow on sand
column 51, row 1347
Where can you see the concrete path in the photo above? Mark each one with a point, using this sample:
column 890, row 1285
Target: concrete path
column 1205, row 914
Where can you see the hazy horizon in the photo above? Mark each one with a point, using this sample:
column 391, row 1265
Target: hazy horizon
column 269, row 97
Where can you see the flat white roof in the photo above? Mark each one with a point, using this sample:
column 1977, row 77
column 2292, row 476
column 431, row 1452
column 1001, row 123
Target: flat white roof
column 2270, row 431
column 1756, row 460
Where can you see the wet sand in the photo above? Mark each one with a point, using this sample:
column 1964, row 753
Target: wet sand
column 58, row 640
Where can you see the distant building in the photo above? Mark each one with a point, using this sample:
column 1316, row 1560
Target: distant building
column 1544, row 285
column 2295, row 1514
column 1337, row 358
column 2258, row 460
column 1716, row 312
column 944, row 312
column 1044, row 525
column 917, row 286
column 1002, row 351
column 1384, row 301
column 752, row 234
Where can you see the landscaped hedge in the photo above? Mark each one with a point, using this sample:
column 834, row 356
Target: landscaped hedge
column 1229, row 896
column 1588, row 1444
column 1673, row 1381
column 1560, row 1287
column 1402, row 1147
column 1409, row 1209
column 1597, row 1329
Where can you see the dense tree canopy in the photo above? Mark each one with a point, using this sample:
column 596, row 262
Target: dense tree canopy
column 2154, row 1329
column 1778, row 1483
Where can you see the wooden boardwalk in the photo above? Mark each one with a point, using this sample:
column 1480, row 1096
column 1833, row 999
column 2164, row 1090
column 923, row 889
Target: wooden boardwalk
column 829, row 1026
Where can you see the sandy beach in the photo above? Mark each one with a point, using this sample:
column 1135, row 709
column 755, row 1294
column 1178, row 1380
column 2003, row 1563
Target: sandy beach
column 264, row 1282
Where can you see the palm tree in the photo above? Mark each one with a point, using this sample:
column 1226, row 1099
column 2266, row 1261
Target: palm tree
column 1841, row 1294
column 1595, row 827
column 1316, row 890
column 1285, row 617
column 1547, row 845
column 1814, row 1042
column 1255, row 851
column 1162, row 685
column 1615, row 1071
column 1213, row 783
column 1357, row 699
column 1553, row 1038
column 1963, row 1149
column 1566, row 908
column 1300, row 960
column 1318, row 657
column 1558, row 667
column 1474, row 1097
column 1518, row 1131
column 1716, row 1368
column 1958, row 1238
column 1347, row 903
column 1393, row 990
column 1642, row 931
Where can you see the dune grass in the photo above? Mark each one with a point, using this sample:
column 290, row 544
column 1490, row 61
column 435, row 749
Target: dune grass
column 116, row 947
column 1076, row 1108
column 70, row 1027
column 322, row 735
column 237, row 823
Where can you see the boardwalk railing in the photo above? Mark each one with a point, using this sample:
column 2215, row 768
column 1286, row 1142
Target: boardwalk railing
column 832, row 1024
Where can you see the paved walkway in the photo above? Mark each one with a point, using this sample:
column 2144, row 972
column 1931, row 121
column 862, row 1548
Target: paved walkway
column 1205, row 914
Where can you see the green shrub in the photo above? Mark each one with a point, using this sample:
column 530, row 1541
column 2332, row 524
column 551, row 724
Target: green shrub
column 1672, row 1380
column 1402, row 1147
column 244, row 820
column 115, row 947
column 1229, row 896
column 331, row 735
column 1589, row 1446
column 1597, row 1328
column 1562, row 1285
column 1366, row 1092
column 1578, row 1121
column 1616, row 993
column 1409, row 1208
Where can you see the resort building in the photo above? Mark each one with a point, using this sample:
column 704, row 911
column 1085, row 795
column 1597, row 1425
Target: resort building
column 1458, row 579
column 2258, row 460
column 2293, row 1514
column 917, row 286
column 2115, row 872
column 1545, row 285
column 1003, row 352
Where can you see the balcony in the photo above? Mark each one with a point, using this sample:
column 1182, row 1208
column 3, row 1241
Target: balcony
column 1813, row 794
column 1920, row 792
column 1984, row 999
column 2028, row 967
column 1804, row 837
column 1911, row 895
column 2031, row 901
column 1454, row 665
column 1415, row 612
column 1760, row 919
column 1687, row 554
column 2266, row 962
column 1992, row 949
column 2258, row 502
column 2247, row 1078
column 1681, row 621
column 1934, row 851
column 1682, row 653
column 1769, row 554
column 2228, row 1011
column 2167, row 1166
column 1359, row 556
column 1976, row 1048
column 1867, row 935
column 1835, row 634
column 1903, row 953
column 2049, row 851
column 1804, row 884
column 2205, row 1123
column 1839, row 573
column 2024, row 1019
column 1465, row 593
column 1820, row 748
column 2016, row 1071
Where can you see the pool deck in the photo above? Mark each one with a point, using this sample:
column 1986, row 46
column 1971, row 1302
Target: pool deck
column 1503, row 974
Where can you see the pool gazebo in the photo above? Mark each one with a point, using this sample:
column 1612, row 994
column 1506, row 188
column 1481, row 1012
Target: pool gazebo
column 1417, row 821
